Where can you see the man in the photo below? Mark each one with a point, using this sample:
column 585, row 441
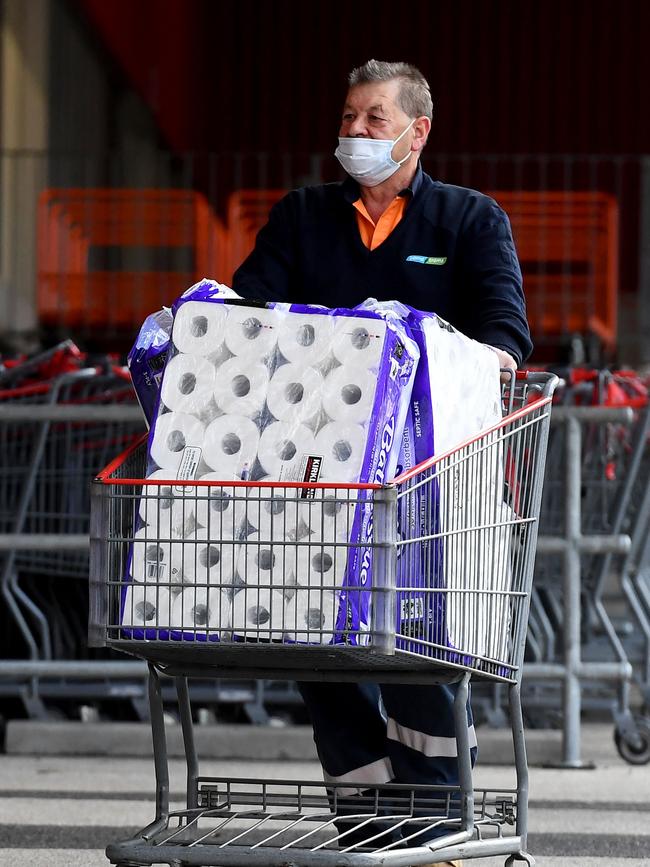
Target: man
column 389, row 231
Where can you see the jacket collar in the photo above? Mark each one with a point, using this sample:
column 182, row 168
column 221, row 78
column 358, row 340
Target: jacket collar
column 350, row 187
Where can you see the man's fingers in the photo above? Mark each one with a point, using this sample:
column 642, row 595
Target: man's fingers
column 506, row 360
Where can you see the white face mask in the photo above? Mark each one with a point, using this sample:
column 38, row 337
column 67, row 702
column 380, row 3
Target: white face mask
column 369, row 160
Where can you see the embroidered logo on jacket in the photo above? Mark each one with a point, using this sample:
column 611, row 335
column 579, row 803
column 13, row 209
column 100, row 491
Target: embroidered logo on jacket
column 427, row 260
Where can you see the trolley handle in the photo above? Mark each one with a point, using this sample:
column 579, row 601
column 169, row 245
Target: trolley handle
column 547, row 383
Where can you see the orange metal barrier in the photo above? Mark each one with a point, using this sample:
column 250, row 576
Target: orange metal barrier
column 169, row 227
column 248, row 211
column 567, row 244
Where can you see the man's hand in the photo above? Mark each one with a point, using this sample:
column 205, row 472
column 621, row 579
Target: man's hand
column 506, row 361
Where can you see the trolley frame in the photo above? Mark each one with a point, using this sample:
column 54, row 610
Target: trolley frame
column 291, row 823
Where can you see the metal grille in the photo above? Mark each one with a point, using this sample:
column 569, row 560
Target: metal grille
column 447, row 551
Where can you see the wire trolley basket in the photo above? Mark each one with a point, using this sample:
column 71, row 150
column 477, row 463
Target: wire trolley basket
column 424, row 579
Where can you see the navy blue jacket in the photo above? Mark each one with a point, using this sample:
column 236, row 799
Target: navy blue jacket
column 452, row 253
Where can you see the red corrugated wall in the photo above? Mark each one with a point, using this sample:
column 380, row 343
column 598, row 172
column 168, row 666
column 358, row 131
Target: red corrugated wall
column 267, row 78
column 508, row 76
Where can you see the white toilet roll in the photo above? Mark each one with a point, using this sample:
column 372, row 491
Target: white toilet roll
column 294, row 393
column 283, row 445
column 148, row 606
column 342, row 447
column 252, row 331
column 258, row 614
column 240, row 386
column 199, row 327
column 208, row 560
column 221, row 510
column 306, row 338
column 230, row 445
column 310, row 616
column 263, row 564
column 349, row 394
column 201, row 609
column 274, row 513
column 359, row 341
column 316, row 565
column 168, row 510
column 330, row 518
column 172, row 433
column 156, row 561
column 188, row 383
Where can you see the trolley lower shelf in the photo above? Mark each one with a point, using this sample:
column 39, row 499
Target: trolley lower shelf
column 288, row 823
column 274, row 822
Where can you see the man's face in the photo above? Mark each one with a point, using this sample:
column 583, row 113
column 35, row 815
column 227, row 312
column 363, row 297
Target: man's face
column 371, row 111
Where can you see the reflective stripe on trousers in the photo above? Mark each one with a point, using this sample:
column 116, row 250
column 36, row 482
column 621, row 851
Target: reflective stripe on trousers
column 370, row 733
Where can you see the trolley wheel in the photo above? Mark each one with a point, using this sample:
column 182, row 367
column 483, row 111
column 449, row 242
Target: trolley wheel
column 520, row 856
column 634, row 746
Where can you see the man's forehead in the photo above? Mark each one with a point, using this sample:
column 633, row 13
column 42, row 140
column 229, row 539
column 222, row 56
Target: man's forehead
column 377, row 106
column 373, row 96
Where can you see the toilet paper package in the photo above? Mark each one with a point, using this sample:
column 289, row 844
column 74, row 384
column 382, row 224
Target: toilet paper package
column 456, row 395
column 281, row 393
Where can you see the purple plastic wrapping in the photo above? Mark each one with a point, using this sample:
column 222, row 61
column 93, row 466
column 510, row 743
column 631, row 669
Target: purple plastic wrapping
column 355, row 369
column 205, row 290
column 146, row 360
column 455, row 395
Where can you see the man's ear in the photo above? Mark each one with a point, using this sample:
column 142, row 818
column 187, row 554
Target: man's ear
column 421, row 129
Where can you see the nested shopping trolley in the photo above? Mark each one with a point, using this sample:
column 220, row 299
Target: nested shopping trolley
column 254, row 581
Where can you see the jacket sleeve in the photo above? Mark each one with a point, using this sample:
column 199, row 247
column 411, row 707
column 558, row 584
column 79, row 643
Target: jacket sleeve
column 494, row 308
column 267, row 273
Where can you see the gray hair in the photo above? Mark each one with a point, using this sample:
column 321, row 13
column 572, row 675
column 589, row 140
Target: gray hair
column 414, row 96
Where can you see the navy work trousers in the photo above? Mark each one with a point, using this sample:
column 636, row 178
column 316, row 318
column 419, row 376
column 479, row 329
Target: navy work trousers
column 370, row 733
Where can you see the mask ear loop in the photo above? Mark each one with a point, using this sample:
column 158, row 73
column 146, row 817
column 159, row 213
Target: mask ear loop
column 403, row 133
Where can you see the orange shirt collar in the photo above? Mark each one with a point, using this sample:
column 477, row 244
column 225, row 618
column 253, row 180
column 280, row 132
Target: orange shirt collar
column 374, row 234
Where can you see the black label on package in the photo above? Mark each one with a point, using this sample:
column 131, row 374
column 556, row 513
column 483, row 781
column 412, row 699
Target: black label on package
column 157, row 362
column 246, row 302
column 310, row 473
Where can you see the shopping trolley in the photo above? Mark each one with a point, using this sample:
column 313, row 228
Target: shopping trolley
column 46, row 458
column 466, row 521
column 614, row 468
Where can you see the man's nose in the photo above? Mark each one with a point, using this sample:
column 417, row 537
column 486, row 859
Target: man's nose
column 358, row 127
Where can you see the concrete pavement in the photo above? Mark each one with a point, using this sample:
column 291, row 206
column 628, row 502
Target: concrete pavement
column 61, row 810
